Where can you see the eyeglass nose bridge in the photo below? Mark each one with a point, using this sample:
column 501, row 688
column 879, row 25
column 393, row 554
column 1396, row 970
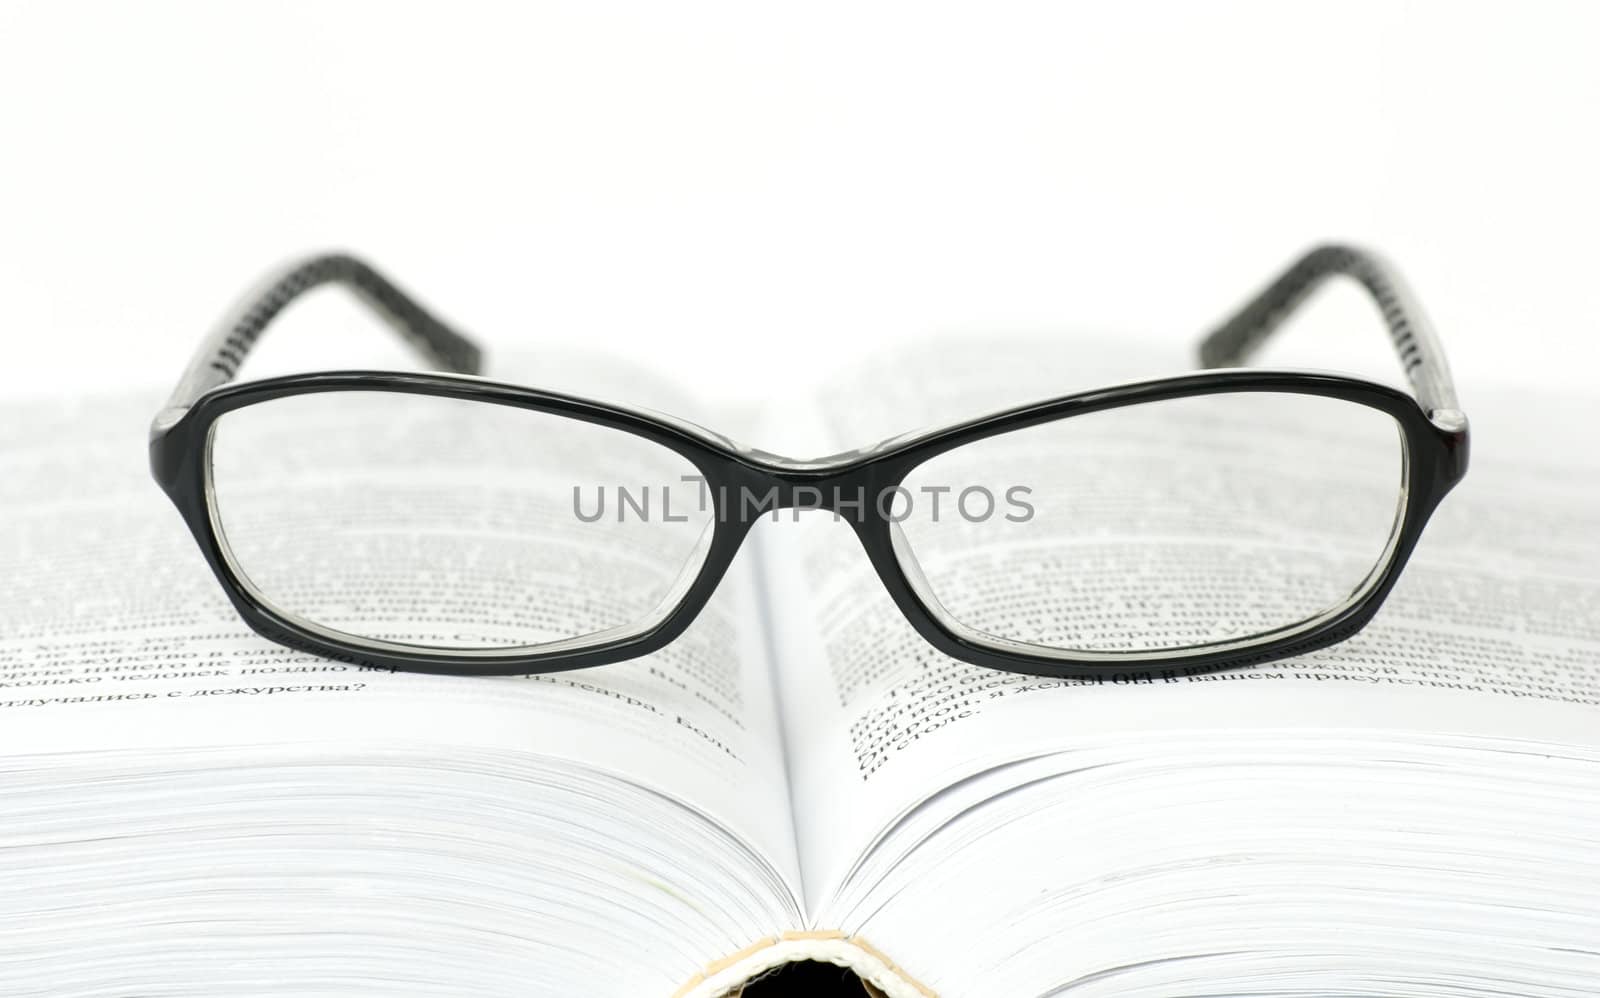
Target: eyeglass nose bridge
column 854, row 487
column 859, row 488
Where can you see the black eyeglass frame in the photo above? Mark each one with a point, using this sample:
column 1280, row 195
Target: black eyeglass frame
column 1432, row 426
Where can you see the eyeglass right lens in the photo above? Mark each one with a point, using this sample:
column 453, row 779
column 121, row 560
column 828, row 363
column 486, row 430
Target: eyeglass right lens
column 448, row 524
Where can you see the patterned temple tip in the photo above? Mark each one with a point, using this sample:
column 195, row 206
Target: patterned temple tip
column 222, row 354
column 1232, row 343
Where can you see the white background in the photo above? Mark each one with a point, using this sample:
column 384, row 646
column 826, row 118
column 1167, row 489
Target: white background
column 750, row 192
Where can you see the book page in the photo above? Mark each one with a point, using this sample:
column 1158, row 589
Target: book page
column 114, row 634
column 1491, row 630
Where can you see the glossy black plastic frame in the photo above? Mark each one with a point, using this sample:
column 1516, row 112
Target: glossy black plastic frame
column 1435, row 438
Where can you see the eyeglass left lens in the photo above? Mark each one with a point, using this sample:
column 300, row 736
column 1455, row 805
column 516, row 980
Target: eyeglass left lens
column 1170, row 527
column 447, row 524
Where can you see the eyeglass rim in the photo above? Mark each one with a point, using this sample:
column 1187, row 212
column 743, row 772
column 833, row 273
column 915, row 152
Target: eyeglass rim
column 1437, row 455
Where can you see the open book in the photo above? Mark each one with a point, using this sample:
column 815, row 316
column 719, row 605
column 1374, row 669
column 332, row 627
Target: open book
column 191, row 809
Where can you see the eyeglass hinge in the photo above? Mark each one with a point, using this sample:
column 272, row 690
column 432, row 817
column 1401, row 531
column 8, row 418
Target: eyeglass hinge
column 1448, row 420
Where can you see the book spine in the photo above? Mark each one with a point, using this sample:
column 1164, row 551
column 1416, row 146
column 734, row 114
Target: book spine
column 882, row 977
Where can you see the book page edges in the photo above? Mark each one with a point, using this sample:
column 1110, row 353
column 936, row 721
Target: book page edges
column 726, row 978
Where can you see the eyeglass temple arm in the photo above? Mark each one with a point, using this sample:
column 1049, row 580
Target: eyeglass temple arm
column 1232, row 343
column 219, row 358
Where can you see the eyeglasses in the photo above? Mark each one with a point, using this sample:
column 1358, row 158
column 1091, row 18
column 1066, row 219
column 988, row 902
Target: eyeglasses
column 449, row 524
